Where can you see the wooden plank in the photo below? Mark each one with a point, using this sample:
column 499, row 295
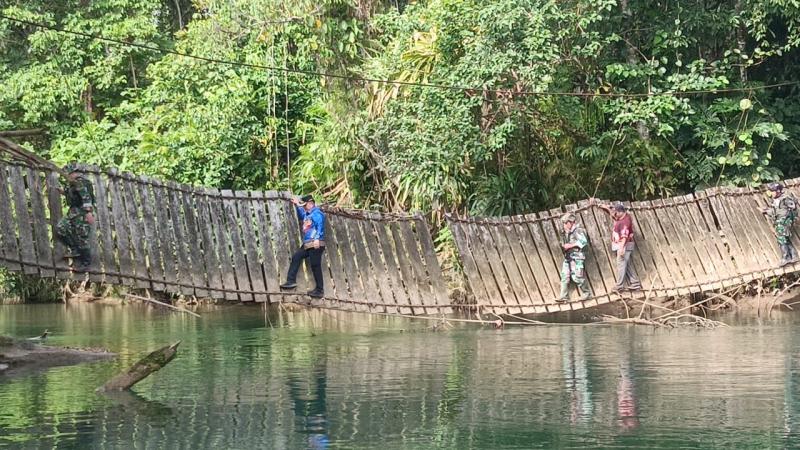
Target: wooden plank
column 390, row 258
column 726, row 224
column 508, row 263
column 267, row 254
column 340, row 235
column 538, row 286
column 202, row 215
column 8, row 229
column 434, row 269
column 643, row 259
column 22, row 214
column 155, row 261
column 121, row 232
column 333, row 259
column 718, row 242
column 417, row 267
column 185, row 268
column 166, row 236
column 223, row 242
column 404, row 264
column 366, row 266
column 657, row 246
column 137, row 234
column 473, row 232
column 599, row 231
column 764, row 240
column 468, row 263
column 380, row 267
column 549, row 287
column 280, row 236
column 43, row 246
column 746, row 232
column 105, row 252
column 54, row 208
column 678, row 248
column 700, row 235
column 247, row 220
column 503, row 279
column 552, row 230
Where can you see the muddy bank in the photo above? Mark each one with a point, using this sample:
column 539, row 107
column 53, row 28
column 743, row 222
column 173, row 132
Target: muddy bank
column 24, row 357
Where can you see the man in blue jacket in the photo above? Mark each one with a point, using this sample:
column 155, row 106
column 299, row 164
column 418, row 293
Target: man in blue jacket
column 312, row 221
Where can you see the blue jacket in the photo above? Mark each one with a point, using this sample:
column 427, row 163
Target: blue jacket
column 312, row 224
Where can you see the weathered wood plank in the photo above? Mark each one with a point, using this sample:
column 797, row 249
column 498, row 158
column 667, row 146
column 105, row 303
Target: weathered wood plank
column 552, row 232
column 166, row 238
column 22, row 214
column 698, row 234
column 106, row 251
column 382, row 277
column 468, row 263
column 717, row 240
column 473, row 232
column 656, row 246
column 746, row 232
column 340, row 234
column 418, row 272
column 183, row 240
column 271, row 275
column 333, row 260
column 223, row 242
column 43, row 246
column 389, row 251
column 8, row 233
column 542, row 260
column 644, row 262
column 729, row 239
column 538, row 285
column 599, row 231
column 593, row 252
column 137, row 234
column 412, row 289
column 154, row 258
column 509, row 266
column 202, row 215
column 120, row 228
column 367, row 267
column 247, row 219
column 55, row 212
column 764, row 237
column 680, row 250
column 434, row 269
column 280, row 236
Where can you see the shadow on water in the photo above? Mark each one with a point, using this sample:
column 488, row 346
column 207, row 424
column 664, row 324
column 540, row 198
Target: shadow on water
column 246, row 378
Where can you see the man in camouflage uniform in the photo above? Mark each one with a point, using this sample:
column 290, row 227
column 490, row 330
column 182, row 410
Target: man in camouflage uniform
column 75, row 228
column 783, row 213
column 573, row 243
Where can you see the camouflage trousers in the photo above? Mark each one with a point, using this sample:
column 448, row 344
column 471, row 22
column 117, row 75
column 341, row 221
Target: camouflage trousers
column 572, row 269
column 783, row 230
column 74, row 231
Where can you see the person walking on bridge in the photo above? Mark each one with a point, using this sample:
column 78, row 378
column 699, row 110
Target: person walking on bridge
column 312, row 221
column 783, row 213
column 573, row 242
column 75, row 228
column 622, row 244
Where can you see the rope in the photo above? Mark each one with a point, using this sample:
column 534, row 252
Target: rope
column 610, row 152
column 501, row 92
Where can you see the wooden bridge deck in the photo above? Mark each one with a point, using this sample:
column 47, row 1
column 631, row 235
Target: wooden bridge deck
column 220, row 244
column 706, row 241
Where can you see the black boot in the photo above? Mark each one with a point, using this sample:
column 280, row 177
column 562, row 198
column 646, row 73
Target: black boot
column 316, row 293
column 786, row 254
column 288, row 286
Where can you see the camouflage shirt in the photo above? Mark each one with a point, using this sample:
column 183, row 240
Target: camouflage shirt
column 576, row 236
column 783, row 208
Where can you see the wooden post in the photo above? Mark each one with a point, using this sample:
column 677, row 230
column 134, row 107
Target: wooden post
column 139, row 371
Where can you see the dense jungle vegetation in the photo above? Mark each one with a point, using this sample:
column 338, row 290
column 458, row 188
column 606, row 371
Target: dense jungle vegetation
column 550, row 100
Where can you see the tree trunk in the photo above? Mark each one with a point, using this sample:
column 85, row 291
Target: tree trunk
column 139, row 371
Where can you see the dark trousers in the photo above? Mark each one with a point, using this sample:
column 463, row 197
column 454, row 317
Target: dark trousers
column 314, row 256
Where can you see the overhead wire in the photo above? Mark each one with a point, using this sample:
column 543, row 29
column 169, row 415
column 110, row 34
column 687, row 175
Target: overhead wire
column 502, row 92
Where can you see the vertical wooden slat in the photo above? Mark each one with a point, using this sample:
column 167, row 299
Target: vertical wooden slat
column 166, row 236
column 271, row 275
column 366, row 267
column 187, row 268
column 763, row 238
column 414, row 295
column 103, row 226
column 121, row 228
column 235, row 242
column 20, row 200
column 653, row 243
column 495, row 296
column 358, row 293
column 543, row 259
column 203, row 213
column 718, row 241
column 154, row 258
column 43, row 246
column 599, row 230
column 440, row 291
column 594, row 253
column 467, row 259
column 698, row 233
column 418, row 272
column 683, row 231
column 54, row 207
column 508, row 264
column 538, row 285
column 384, row 280
column 389, row 251
column 680, row 250
column 280, row 236
column 223, row 243
column 552, row 230
column 642, row 258
column 137, row 234
column 8, row 235
column 734, row 245
column 334, row 262
column 245, row 210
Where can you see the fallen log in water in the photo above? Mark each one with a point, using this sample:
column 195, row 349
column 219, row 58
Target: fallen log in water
column 22, row 357
column 143, row 368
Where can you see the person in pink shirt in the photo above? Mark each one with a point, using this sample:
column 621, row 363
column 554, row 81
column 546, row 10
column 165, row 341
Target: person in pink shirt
column 623, row 245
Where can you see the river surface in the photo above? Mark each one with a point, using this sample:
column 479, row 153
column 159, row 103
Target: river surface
column 247, row 379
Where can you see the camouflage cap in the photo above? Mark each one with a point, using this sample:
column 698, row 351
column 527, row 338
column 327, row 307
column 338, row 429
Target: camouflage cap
column 568, row 217
column 775, row 187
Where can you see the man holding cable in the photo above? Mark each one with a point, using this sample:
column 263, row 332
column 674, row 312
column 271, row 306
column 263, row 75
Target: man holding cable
column 312, row 221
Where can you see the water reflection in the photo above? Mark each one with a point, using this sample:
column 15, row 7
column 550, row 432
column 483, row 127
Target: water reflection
column 249, row 379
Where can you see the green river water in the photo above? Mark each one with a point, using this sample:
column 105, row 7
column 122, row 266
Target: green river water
column 246, row 379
